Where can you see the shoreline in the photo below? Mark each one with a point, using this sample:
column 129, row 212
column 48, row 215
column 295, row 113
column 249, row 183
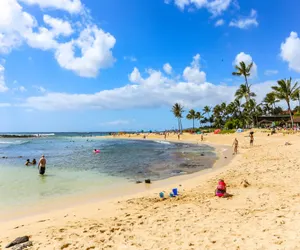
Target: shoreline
column 129, row 188
column 267, row 210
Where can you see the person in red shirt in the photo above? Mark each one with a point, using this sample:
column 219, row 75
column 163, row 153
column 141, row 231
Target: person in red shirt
column 221, row 189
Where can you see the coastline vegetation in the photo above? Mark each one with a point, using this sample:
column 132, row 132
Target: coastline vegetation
column 243, row 111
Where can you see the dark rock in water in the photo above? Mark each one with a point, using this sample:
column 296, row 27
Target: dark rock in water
column 138, row 182
column 148, row 181
column 202, row 154
column 22, row 246
column 17, row 241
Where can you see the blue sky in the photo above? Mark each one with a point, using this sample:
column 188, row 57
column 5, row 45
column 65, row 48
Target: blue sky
column 84, row 65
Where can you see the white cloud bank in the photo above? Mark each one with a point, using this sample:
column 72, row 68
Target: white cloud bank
column 216, row 7
column 245, row 22
column 247, row 59
column 18, row 27
column 155, row 89
column 290, row 51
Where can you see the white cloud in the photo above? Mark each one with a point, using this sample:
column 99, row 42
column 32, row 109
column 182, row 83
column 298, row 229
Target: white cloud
column 59, row 26
column 72, row 6
column 130, row 58
column 39, row 88
column 216, row 7
column 192, row 73
column 168, row 68
column 18, row 27
column 220, row 22
column 245, row 22
column 14, row 24
column 290, row 51
column 20, row 88
column 135, row 76
column 247, row 59
column 271, row 72
column 45, row 38
column 3, row 86
column 95, row 46
column 4, row 105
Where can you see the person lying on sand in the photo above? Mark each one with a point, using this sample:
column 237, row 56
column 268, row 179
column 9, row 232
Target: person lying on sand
column 221, row 190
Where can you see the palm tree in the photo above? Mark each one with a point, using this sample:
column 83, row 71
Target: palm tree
column 244, row 70
column 271, row 99
column 243, row 92
column 296, row 97
column 177, row 110
column 192, row 116
column 198, row 117
column 286, row 91
column 206, row 111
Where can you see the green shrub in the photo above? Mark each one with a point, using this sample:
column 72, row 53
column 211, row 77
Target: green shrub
column 233, row 124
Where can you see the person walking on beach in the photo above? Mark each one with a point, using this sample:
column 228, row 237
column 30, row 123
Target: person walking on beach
column 251, row 139
column 235, row 145
column 42, row 165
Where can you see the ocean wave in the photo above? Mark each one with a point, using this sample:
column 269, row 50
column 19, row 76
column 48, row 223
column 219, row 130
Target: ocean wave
column 51, row 134
column 163, row 142
column 14, row 142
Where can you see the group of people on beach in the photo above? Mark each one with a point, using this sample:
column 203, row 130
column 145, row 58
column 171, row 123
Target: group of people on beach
column 41, row 164
column 236, row 143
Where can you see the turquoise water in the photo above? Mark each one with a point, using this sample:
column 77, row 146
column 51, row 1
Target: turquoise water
column 73, row 168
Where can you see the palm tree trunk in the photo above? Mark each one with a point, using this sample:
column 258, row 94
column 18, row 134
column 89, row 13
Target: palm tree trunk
column 178, row 124
column 248, row 90
column 193, row 124
column 291, row 116
column 299, row 105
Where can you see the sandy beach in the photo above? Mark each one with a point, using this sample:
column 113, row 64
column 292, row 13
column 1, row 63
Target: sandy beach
column 263, row 215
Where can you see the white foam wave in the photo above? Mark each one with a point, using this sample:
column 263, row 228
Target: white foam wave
column 14, row 142
column 163, row 142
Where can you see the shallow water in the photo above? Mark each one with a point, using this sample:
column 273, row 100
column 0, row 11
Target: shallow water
column 73, row 168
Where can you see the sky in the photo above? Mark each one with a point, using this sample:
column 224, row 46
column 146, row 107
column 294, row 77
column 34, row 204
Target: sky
column 111, row 65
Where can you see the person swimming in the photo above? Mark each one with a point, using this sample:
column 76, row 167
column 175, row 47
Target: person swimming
column 33, row 162
column 28, row 163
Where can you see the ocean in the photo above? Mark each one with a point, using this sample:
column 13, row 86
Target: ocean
column 73, row 168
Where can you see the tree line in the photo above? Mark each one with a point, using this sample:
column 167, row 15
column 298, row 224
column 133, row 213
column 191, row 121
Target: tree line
column 244, row 111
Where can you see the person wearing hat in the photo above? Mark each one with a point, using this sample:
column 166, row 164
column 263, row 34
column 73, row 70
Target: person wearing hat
column 42, row 165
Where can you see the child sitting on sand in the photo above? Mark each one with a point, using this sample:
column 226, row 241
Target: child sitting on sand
column 221, row 189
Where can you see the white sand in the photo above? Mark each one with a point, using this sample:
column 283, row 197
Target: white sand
column 265, row 215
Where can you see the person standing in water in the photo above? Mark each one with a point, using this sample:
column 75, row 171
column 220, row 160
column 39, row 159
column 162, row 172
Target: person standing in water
column 235, row 145
column 42, row 165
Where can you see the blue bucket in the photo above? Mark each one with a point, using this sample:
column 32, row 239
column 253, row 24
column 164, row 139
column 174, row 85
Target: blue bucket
column 175, row 191
column 161, row 195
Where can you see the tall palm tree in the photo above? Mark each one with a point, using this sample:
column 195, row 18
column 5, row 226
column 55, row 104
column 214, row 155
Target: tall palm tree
column 296, row 97
column 244, row 70
column 177, row 110
column 286, row 91
column 198, row 117
column 271, row 99
column 206, row 111
column 243, row 92
column 192, row 116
